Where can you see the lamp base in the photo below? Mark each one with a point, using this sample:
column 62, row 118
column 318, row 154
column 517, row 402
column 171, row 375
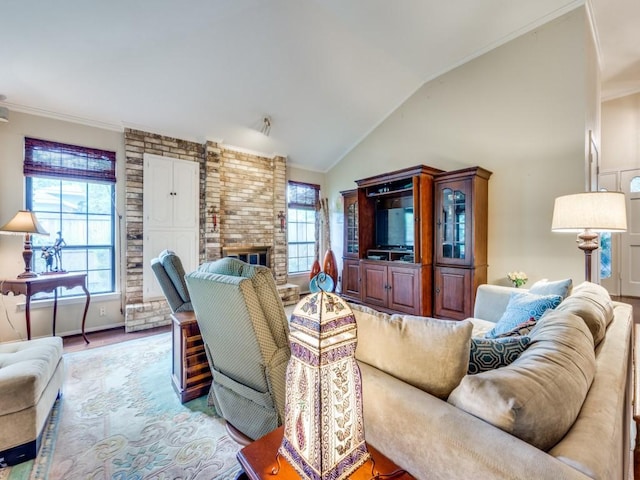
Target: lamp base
column 27, row 275
column 587, row 242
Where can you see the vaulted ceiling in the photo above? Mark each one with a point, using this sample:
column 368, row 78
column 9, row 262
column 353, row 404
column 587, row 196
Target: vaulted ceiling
column 327, row 72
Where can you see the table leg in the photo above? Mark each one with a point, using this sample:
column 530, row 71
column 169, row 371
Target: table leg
column 86, row 308
column 27, row 316
column 55, row 309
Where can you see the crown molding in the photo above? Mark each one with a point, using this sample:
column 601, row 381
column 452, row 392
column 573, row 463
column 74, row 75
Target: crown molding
column 41, row 112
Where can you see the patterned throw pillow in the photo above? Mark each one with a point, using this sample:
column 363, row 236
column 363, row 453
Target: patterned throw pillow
column 521, row 329
column 488, row 354
column 521, row 307
column 558, row 287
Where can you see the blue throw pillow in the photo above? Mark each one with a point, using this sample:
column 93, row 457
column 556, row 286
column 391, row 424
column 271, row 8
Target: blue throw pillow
column 488, row 354
column 558, row 287
column 522, row 307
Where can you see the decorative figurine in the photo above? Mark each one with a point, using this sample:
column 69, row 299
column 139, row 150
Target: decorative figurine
column 48, row 254
column 54, row 252
column 57, row 247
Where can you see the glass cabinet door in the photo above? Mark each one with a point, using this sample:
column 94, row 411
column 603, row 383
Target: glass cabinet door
column 352, row 228
column 452, row 224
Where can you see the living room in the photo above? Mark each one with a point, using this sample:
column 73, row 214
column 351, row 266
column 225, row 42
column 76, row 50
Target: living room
column 522, row 110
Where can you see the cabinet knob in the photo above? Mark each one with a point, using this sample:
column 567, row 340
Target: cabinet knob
column 437, row 291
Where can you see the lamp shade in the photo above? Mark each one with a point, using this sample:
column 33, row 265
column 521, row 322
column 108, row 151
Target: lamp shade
column 323, row 425
column 23, row 222
column 596, row 211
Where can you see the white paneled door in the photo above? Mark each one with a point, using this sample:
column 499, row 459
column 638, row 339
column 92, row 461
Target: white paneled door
column 170, row 215
column 630, row 269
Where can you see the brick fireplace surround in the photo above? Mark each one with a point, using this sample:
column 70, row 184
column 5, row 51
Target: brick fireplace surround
column 244, row 190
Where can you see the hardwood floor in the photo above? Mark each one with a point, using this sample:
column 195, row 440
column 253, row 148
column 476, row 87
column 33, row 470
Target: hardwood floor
column 75, row 343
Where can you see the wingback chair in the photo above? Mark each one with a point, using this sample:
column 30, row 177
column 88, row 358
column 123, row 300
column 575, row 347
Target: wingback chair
column 246, row 335
column 169, row 272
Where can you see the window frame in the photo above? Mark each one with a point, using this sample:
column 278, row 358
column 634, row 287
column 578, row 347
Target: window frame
column 85, row 166
column 304, row 205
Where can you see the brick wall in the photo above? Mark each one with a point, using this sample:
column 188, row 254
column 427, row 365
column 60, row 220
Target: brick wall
column 244, row 190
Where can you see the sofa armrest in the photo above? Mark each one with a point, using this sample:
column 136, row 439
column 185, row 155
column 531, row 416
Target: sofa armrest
column 492, row 300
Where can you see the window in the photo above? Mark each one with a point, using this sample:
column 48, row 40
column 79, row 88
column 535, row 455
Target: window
column 301, row 225
column 71, row 191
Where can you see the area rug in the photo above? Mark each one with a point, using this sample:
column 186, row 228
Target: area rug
column 119, row 418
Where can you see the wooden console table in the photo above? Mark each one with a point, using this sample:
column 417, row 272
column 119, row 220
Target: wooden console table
column 44, row 284
column 191, row 375
column 259, row 458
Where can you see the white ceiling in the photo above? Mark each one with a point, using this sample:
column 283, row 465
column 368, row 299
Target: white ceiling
column 326, row 71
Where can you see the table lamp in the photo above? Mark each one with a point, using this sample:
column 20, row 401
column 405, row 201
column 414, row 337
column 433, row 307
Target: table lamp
column 589, row 213
column 323, row 424
column 25, row 222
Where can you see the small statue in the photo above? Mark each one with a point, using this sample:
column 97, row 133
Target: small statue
column 57, row 248
column 48, row 254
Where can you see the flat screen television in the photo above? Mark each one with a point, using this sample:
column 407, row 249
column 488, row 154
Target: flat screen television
column 394, row 223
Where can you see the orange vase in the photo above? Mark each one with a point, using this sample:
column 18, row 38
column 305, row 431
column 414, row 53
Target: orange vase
column 330, row 267
column 315, row 269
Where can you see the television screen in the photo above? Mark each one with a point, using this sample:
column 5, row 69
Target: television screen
column 394, row 223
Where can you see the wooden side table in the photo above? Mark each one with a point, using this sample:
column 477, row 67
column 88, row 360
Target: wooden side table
column 191, row 375
column 259, row 458
column 44, row 284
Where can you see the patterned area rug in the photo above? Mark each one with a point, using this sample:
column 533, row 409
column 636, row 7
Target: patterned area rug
column 119, row 418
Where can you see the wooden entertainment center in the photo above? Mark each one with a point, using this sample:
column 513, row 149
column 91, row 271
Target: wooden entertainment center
column 415, row 241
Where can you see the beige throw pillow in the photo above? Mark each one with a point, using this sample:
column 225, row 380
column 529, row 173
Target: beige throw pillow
column 538, row 397
column 430, row 354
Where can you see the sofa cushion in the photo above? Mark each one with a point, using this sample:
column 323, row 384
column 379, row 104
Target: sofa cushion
column 537, row 397
column 429, row 354
column 522, row 307
column 557, row 287
column 25, row 371
column 480, row 327
column 489, row 353
column 592, row 303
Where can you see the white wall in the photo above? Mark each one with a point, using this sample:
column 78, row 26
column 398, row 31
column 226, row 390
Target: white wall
column 621, row 133
column 12, row 199
column 519, row 111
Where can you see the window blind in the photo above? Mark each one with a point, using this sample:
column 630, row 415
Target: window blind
column 303, row 195
column 43, row 158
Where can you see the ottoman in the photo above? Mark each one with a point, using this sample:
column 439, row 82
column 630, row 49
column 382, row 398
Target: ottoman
column 31, row 374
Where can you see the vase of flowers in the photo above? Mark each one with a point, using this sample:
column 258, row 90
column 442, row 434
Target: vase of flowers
column 517, row 278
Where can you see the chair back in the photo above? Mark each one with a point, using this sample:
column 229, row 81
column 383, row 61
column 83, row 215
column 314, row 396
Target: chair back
column 169, row 272
column 246, row 335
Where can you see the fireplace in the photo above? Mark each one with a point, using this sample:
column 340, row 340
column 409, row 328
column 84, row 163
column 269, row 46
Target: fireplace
column 250, row 255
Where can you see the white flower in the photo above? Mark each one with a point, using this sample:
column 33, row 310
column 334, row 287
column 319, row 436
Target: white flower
column 517, row 278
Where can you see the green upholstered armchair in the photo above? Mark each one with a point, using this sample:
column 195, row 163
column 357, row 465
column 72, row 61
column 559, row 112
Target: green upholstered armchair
column 169, row 272
column 246, row 335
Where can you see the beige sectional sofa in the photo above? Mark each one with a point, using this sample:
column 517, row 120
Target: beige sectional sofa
column 561, row 410
column 31, row 375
